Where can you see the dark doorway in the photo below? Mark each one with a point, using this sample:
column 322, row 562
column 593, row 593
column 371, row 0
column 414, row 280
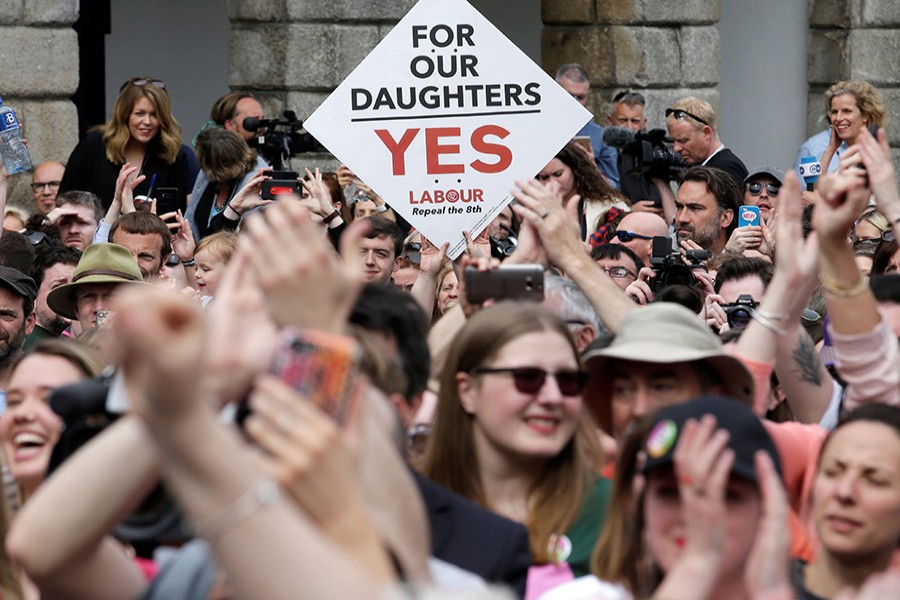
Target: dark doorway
column 92, row 27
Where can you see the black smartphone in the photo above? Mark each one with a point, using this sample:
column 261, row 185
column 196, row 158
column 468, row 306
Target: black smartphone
column 282, row 182
column 166, row 200
column 508, row 282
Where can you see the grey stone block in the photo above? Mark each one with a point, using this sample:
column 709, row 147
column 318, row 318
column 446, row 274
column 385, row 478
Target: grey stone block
column 258, row 56
column 347, row 10
column 700, row 55
column 257, row 10
column 11, row 12
column 614, row 12
column 51, row 11
column 827, row 56
column 590, row 46
column 834, row 13
column 645, row 56
column 352, row 44
column 880, row 12
column 684, row 12
column 874, row 53
column 564, row 12
column 892, row 102
column 815, row 112
column 39, row 62
column 304, row 103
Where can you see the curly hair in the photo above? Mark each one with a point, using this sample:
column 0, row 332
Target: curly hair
column 116, row 133
column 868, row 100
column 589, row 182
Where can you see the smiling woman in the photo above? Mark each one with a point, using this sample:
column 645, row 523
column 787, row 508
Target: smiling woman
column 29, row 429
column 851, row 106
column 508, row 432
column 141, row 131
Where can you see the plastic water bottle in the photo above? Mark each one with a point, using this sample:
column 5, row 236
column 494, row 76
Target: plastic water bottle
column 12, row 148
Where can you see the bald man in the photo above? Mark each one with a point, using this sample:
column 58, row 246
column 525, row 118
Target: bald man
column 636, row 230
column 45, row 185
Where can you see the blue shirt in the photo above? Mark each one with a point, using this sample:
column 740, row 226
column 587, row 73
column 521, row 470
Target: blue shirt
column 815, row 146
column 605, row 156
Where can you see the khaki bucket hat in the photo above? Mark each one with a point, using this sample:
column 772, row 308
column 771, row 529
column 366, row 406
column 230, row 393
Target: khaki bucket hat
column 661, row 333
column 100, row 263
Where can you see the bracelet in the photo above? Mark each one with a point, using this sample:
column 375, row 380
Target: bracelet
column 765, row 322
column 189, row 263
column 331, row 216
column 234, row 211
column 835, row 287
column 772, row 316
column 381, row 209
column 261, row 494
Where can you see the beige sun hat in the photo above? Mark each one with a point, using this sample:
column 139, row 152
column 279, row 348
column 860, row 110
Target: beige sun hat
column 100, row 263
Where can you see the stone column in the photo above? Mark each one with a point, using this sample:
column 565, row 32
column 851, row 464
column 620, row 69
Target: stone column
column 665, row 50
column 293, row 53
column 854, row 39
column 39, row 54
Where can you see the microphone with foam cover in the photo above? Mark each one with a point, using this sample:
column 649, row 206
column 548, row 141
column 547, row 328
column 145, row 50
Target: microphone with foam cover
column 251, row 123
column 617, row 137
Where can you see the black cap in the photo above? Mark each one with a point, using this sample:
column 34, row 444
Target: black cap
column 747, row 434
column 18, row 282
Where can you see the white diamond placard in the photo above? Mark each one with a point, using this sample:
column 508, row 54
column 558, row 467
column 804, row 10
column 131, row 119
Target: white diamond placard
column 442, row 118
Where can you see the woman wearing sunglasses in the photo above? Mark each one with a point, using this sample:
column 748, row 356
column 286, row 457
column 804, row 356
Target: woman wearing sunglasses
column 508, row 430
column 141, row 132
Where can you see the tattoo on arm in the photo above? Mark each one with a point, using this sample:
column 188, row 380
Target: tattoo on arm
column 806, row 360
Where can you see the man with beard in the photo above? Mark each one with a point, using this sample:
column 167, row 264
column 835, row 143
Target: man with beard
column 17, row 294
column 706, row 208
column 53, row 267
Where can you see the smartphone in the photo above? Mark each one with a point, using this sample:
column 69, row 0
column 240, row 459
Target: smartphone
column 748, row 215
column 584, row 140
column 282, row 182
column 323, row 367
column 508, row 282
column 166, row 200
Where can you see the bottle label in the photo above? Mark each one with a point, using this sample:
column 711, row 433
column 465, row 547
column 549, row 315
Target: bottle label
column 8, row 121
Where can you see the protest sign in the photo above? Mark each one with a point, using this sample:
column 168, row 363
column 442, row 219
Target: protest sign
column 443, row 116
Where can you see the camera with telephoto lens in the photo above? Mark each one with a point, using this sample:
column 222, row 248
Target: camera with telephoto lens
column 282, row 139
column 669, row 266
column 84, row 414
column 740, row 312
column 650, row 156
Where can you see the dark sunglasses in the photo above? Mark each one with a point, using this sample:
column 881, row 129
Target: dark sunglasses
column 141, row 82
column 629, row 96
column 530, row 380
column 681, row 114
column 627, row 236
column 755, row 188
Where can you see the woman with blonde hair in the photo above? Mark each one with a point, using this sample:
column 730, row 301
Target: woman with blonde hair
column 507, row 430
column 142, row 132
column 850, row 107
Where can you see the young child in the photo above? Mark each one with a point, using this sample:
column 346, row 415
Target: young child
column 212, row 255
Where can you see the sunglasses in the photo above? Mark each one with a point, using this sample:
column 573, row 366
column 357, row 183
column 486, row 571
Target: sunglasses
column 627, row 236
column 681, row 114
column 629, row 96
column 530, row 380
column 755, row 188
column 141, row 82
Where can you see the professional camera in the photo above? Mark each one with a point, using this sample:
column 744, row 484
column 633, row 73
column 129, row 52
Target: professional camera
column 669, row 266
column 740, row 312
column 649, row 155
column 82, row 408
column 282, row 139
column 504, row 247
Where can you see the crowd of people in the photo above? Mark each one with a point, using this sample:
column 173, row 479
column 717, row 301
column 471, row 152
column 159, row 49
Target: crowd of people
column 218, row 383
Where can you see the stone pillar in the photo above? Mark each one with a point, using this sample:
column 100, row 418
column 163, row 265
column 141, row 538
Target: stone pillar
column 39, row 54
column 665, row 50
column 292, row 53
column 854, row 39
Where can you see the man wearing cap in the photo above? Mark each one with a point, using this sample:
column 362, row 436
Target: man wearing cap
column 17, row 294
column 101, row 270
column 761, row 188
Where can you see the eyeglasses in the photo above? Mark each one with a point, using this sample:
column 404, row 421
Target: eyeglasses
column 755, row 188
column 619, row 272
column 629, row 96
column 530, row 380
column 141, row 82
column 53, row 185
column 627, row 236
column 681, row 114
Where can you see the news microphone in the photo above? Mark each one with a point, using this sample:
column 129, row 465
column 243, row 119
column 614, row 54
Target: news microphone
column 252, row 123
column 810, row 169
column 617, row 137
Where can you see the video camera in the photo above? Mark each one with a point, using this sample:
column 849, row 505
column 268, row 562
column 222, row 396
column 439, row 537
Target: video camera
column 740, row 312
column 669, row 266
column 648, row 155
column 282, row 139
